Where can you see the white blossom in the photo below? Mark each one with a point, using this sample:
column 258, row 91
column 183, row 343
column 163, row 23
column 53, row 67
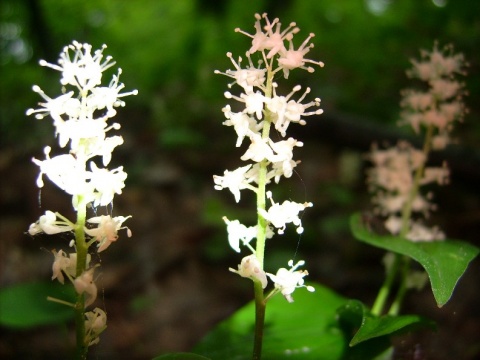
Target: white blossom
column 279, row 215
column 238, row 232
column 49, row 224
column 95, row 323
column 85, row 284
column 247, row 78
column 107, row 183
column 250, row 268
column 106, row 231
column 286, row 281
column 233, row 180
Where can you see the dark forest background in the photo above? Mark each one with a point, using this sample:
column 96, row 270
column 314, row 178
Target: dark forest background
column 167, row 285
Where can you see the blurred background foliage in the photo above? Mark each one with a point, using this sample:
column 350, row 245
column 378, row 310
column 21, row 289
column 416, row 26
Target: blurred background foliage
column 170, row 48
column 174, row 143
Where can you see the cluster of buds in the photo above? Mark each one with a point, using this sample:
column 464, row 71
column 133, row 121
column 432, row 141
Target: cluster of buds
column 399, row 172
column 81, row 119
column 270, row 160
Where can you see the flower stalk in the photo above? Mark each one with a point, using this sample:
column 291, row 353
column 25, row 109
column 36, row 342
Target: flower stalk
column 265, row 110
column 78, row 124
column 400, row 172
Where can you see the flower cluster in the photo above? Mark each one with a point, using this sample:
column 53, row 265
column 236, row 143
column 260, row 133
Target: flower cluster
column 269, row 160
column 81, row 118
column 441, row 104
column 400, row 172
column 392, row 179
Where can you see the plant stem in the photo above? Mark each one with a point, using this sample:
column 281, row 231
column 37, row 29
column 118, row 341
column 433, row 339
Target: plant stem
column 261, row 229
column 400, row 261
column 260, row 307
column 384, row 292
column 402, row 289
column 82, row 250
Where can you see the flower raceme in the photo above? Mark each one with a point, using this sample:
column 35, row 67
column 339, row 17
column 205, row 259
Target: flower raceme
column 400, row 172
column 81, row 117
column 76, row 122
column 263, row 107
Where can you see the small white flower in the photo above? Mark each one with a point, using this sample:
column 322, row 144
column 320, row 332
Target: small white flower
column 238, row 232
column 64, row 104
column 65, row 171
column 279, row 215
column 85, row 70
column 108, row 97
column 246, row 78
column 85, row 284
column 95, row 323
column 107, row 183
column 250, row 268
column 243, row 124
column 49, row 224
column 106, row 231
column 61, row 263
column 259, row 150
column 233, row 180
column 286, row 281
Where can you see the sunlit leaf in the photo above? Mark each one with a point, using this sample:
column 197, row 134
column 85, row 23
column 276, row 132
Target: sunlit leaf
column 304, row 329
column 445, row 261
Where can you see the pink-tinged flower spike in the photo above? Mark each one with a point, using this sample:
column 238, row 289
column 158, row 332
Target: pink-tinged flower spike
column 107, row 230
column 85, row 284
column 279, row 215
column 95, row 323
column 275, row 39
column 247, row 78
column 250, row 268
column 291, row 59
column 259, row 39
column 286, row 281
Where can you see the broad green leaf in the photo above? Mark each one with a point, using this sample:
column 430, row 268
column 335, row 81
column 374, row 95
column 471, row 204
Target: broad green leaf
column 304, row 329
column 357, row 316
column 26, row 305
column 445, row 261
column 180, row 356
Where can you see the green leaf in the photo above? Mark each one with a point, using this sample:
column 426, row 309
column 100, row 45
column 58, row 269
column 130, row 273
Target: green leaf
column 180, row 356
column 26, row 305
column 305, row 329
column 356, row 316
column 445, row 261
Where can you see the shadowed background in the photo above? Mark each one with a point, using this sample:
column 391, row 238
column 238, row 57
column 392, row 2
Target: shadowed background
column 168, row 284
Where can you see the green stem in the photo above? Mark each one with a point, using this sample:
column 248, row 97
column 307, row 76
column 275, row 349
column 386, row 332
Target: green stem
column 402, row 289
column 82, row 250
column 260, row 307
column 379, row 304
column 261, row 229
column 401, row 262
